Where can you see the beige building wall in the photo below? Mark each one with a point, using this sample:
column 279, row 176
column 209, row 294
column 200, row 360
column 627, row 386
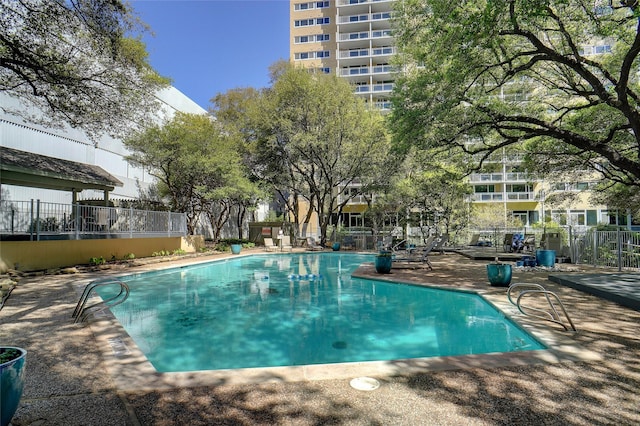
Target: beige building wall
column 310, row 37
column 41, row 255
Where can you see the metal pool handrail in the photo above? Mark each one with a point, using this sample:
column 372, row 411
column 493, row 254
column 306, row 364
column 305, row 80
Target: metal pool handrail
column 81, row 312
column 553, row 316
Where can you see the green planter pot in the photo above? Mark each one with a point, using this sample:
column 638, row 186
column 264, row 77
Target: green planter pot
column 11, row 384
column 236, row 248
column 383, row 264
column 499, row 274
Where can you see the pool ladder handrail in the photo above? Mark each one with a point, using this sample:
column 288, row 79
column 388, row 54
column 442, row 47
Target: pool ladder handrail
column 81, row 312
column 552, row 316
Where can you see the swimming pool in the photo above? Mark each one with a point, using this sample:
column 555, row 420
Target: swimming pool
column 301, row 309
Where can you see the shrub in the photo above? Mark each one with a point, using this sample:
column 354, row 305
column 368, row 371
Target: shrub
column 97, row 261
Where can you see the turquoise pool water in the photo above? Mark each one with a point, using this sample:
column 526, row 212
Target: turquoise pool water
column 299, row 309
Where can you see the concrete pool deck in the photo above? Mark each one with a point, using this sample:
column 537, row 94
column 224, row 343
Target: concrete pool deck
column 76, row 377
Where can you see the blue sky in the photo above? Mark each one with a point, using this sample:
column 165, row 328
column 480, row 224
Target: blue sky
column 211, row 46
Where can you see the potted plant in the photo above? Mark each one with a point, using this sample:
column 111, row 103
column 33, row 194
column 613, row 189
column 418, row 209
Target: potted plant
column 499, row 274
column 383, row 262
column 12, row 361
column 335, row 246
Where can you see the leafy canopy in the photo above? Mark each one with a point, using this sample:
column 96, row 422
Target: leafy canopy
column 558, row 78
column 74, row 61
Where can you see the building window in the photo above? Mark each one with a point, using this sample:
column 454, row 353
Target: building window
column 311, row 55
column 311, row 39
column 311, row 21
column 484, row 188
column 311, row 5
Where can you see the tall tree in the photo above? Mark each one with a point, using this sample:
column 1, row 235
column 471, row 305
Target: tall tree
column 319, row 139
column 78, row 61
column 557, row 77
column 197, row 165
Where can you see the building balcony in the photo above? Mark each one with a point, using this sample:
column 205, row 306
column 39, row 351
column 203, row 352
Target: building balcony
column 380, row 18
column 501, row 197
column 501, row 177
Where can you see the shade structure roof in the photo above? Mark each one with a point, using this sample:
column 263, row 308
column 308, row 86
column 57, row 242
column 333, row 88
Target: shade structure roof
column 23, row 168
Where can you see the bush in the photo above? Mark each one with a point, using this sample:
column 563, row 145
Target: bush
column 95, row 261
column 225, row 244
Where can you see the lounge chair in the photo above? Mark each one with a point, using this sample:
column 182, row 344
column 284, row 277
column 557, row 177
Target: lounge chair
column 417, row 254
column 285, row 243
column 348, row 243
column 440, row 242
column 506, row 243
column 312, row 245
column 269, row 245
column 529, row 243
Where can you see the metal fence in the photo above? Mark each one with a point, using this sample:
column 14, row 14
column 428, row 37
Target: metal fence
column 615, row 249
column 609, row 249
column 35, row 220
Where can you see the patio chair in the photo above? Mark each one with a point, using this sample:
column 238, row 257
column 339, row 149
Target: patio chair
column 529, row 243
column 440, row 242
column 348, row 243
column 417, row 254
column 269, row 245
column 312, row 245
column 285, row 243
column 507, row 242
column 475, row 239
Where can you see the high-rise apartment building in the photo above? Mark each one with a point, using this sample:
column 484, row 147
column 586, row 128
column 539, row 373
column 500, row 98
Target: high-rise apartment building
column 350, row 38
column 353, row 39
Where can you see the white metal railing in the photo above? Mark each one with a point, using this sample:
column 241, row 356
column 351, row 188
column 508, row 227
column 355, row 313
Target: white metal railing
column 364, row 35
column 355, row 53
column 520, row 196
column 487, row 196
column 385, row 87
column 365, row 17
column 41, row 220
column 501, row 177
column 340, row 3
column 615, row 249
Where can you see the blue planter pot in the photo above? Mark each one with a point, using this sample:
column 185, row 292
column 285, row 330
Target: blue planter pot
column 11, row 385
column 335, row 246
column 499, row 274
column 383, row 264
column 235, row 248
column 546, row 258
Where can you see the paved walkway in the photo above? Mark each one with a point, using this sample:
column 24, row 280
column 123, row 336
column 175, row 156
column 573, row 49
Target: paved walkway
column 71, row 379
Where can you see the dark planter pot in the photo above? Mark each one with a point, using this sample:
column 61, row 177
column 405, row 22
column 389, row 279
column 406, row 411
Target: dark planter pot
column 499, row 274
column 383, row 264
column 336, row 246
column 236, row 248
column 11, row 385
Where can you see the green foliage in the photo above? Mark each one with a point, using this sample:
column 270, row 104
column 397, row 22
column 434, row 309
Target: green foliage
column 179, row 252
column 198, row 166
column 129, row 256
column 484, row 76
column 315, row 137
column 96, row 261
column 76, row 62
column 225, row 244
column 161, row 253
column 9, row 354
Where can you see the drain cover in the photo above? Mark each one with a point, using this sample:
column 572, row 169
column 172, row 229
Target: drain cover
column 365, row 383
